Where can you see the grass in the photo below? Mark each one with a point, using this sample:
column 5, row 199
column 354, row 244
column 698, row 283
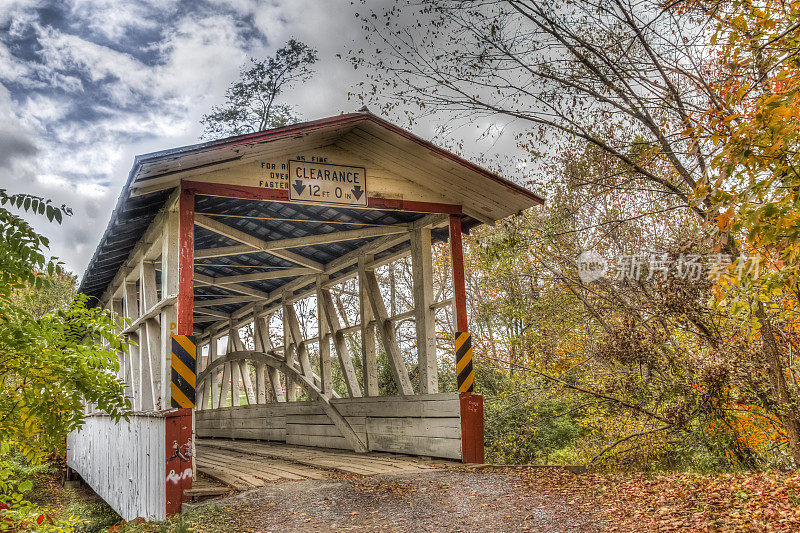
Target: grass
column 97, row 516
column 208, row 519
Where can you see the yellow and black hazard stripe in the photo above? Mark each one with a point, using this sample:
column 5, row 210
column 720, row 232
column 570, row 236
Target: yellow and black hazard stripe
column 464, row 361
column 184, row 370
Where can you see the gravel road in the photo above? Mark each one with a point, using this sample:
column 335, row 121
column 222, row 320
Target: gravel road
column 446, row 500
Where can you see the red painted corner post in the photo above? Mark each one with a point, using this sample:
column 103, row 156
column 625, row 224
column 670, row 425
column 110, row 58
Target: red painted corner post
column 179, row 451
column 186, row 263
column 471, row 404
column 179, row 428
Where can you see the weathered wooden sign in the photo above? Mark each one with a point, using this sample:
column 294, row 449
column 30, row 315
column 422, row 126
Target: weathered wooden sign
column 326, row 183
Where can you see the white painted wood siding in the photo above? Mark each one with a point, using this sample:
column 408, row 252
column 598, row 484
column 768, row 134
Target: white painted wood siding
column 426, row 424
column 123, row 462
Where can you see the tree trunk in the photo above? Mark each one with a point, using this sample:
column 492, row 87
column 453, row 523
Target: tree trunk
column 787, row 411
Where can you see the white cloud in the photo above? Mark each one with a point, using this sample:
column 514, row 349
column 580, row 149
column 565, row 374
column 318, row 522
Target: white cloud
column 40, row 111
column 121, row 74
column 12, row 69
column 113, row 18
column 17, row 12
column 201, row 56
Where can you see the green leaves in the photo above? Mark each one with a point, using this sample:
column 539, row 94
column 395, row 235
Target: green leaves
column 55, row 353
column 251, row 102
column 35, row 204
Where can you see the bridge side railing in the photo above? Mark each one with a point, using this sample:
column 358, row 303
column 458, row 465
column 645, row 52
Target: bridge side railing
column 123, row 461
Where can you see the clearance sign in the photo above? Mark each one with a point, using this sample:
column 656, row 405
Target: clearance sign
column 326, row 183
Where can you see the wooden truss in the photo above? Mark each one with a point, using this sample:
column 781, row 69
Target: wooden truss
column 271, row 381
column 150, row 290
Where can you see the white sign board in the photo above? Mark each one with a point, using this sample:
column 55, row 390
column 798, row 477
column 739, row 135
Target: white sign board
column 326, row 183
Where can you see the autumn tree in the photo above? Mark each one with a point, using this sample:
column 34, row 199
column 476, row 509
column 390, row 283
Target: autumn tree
column 753, row 123
column 251, row 103
column 634, row 81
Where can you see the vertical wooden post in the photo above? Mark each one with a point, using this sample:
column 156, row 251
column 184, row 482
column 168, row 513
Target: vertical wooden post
column 236, row 398
column 132, row 312
column 117, row 309
column 323, row 334
column 179, row 431
column 471, row 404
column 259, row 346
column 368, row 352
column 179, row 457
column 127, row 370
column 289, row 355
column 149, row 337
column 422, row 279
column 200, row 389
column 169, row 287
column 227, row 380
column 342, row 350
column 212, row 354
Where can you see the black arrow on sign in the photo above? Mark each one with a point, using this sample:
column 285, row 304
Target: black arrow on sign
column 298, row 186
column 357, row 192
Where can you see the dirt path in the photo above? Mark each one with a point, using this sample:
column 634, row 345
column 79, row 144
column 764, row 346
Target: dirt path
column 439, row 500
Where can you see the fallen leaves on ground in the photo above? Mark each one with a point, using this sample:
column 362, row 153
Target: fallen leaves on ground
column 750, row 501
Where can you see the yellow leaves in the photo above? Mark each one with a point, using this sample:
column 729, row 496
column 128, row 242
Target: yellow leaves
column 730, row 118
column 724, row 220
column 717, row 292
column 772, row 99
column 785, row 111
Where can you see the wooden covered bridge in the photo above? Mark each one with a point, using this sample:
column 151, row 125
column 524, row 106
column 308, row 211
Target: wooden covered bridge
column 209, row 252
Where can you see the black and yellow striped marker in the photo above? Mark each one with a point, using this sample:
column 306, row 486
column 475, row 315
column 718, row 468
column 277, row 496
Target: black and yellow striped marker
column 184, row 370
column 464, row 373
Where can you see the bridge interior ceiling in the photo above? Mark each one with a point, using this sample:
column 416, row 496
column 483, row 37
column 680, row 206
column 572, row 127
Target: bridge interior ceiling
column 219, row 257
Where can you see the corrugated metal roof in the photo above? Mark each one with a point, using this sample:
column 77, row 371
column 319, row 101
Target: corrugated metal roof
column 260, row 261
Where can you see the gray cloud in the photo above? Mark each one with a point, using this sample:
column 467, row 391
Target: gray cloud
column 16, row 140
column 14, row 146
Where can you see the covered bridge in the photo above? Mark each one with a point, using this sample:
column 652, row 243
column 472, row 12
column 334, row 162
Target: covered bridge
column 214, row 240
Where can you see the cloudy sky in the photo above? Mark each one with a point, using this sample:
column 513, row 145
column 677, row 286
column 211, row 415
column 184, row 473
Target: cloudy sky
column 85, row 85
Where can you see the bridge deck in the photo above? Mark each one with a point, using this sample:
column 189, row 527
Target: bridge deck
column 243, row 464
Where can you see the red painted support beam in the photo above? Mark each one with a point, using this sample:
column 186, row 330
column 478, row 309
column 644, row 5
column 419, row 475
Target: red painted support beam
column 236, row 191
column 393, row 204
column 471, row 404
column 186, row 263
column 457, row 257
column 179, row 430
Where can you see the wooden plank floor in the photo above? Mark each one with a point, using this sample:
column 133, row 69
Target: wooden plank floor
column 245, row 464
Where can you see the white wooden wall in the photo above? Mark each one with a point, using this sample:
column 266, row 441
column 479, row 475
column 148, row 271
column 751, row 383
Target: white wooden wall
column 426, row 424
column 123, row 462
